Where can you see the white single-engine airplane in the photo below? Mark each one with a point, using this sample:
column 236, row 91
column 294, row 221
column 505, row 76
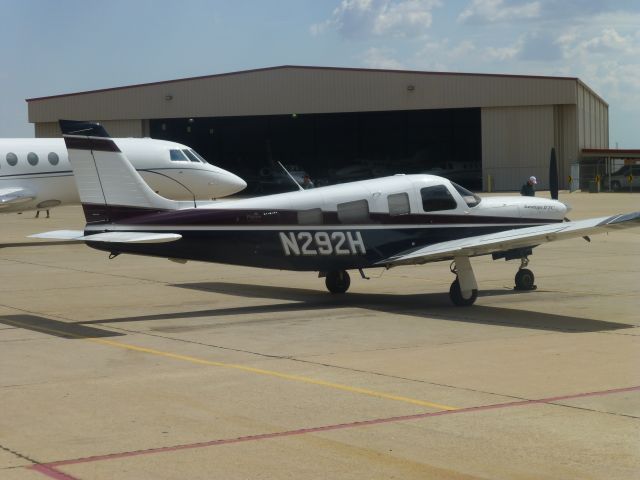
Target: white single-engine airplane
column 35, row 172
column 398, row 220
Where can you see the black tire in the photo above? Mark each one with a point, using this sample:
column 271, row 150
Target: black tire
column 456, row 295
column 337, row 281
column 525, row 279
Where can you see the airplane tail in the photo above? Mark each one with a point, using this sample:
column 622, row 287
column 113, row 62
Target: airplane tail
column 110, row 188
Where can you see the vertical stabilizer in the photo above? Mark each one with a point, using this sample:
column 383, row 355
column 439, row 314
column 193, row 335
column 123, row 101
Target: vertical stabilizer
column 104, row 176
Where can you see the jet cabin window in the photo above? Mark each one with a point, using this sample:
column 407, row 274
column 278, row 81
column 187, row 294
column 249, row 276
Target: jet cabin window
column 12, row 159
column 353, row 212
column 32, row 158
column 437, row 198
column 398, row 204
column 53, row 158
column 177, row 156
column 471, row 199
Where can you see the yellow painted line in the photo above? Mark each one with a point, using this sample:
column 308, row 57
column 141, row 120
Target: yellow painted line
column 272, row 373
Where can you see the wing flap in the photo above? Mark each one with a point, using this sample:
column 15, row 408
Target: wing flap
column 511, row 239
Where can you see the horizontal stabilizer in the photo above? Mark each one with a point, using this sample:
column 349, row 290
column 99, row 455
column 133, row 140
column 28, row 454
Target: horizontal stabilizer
column 111, row 237
column 132, row 237
column 60, row 235
column 511, row 239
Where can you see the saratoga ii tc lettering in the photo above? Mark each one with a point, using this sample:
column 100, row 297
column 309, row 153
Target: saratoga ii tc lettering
column 322, row 243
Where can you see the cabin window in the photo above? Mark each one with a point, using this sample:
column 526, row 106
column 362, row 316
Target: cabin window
column 177, row 156
column 353, row 212
column 471, row 199
column 12, row 159
column 398, row 204
column 437, row 198
column 53, row 158
column 310, row 217
column 191, row 156
column 32, row 158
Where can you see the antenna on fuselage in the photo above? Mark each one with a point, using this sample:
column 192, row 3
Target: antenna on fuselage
column 290, row 176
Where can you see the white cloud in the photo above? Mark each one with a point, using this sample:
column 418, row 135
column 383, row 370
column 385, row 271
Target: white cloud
column 382, row 58
column 491, row 11
column 359, row 18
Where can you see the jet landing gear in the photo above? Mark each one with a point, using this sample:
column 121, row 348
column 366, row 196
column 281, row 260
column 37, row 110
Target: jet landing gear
column 337, row 281
column 464, row 289
column 524, row 277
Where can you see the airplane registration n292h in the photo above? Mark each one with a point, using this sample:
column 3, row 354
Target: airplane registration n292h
column 35, row 172
column 385, row 222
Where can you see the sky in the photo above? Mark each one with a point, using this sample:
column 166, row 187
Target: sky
column 51, row 47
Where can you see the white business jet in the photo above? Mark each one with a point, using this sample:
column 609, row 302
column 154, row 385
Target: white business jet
column 35, row 172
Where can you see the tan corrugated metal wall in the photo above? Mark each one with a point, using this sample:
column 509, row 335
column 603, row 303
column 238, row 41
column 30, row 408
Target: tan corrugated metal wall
column 516, row 142
column 593, row 120
column 304, row 90
column 116, row 128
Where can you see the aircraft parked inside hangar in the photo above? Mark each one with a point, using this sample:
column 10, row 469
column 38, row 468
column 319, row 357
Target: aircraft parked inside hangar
column 35, row 172
column 385, row 222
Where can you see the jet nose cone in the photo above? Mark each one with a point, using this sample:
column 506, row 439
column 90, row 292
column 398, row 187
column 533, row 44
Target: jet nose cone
column 228, row 184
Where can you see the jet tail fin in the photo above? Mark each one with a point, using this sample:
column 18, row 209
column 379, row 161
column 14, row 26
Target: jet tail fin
column 109, row 187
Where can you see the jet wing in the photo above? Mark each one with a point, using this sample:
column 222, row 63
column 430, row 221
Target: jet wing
column 511, row 239
column 111, row 237
column 13, row 195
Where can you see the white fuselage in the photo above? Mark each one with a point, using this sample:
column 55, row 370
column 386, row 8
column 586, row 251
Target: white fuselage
column 39, row 170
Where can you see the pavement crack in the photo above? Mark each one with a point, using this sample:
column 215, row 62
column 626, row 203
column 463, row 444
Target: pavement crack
column 19, row 455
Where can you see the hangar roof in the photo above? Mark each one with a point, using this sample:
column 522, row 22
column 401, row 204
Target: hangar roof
column 305, row 89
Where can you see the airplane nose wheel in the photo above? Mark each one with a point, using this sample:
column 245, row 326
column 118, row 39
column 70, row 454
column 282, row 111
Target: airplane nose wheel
column 337, row 281
column 524, row 277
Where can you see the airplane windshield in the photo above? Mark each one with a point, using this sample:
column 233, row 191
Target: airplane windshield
column 471, row 199
column 199, row 156
column 191, row 156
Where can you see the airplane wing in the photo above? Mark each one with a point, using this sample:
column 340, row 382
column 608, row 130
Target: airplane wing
column 13, row 195
column 111, row 237
column 511, row 239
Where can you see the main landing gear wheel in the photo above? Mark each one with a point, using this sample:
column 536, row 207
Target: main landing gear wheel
column 337, row 281
column 456, row 295
column 525, row 280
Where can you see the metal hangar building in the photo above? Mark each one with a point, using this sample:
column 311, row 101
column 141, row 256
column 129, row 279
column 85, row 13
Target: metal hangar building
column 343, row 124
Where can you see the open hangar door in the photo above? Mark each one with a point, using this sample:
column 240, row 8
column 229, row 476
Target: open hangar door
column 335, row 147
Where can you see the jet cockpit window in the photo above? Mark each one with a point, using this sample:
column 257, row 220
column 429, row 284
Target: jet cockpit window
column 471, row 199
column 191, row 156
column 12, row 159
column 199, row 156
column 177, row 156
column 437, row 198
column 398, row 204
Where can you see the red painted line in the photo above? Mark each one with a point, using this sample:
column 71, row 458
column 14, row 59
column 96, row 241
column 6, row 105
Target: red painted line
column 51, row 472
column 264, row 436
